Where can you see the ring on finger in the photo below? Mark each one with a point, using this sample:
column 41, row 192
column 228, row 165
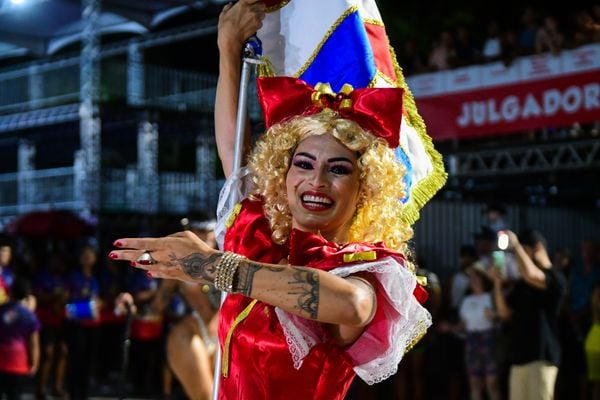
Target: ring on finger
column 146, row 259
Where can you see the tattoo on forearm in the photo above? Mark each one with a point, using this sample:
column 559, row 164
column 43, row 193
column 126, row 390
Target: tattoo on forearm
column 245, row 276
column 196, row 265
column 242, row 282
column 305, row 284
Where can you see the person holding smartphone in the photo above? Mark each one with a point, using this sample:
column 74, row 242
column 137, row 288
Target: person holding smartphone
column 530, row 311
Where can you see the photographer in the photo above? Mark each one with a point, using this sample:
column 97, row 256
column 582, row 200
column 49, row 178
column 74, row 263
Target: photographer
column 531, row 312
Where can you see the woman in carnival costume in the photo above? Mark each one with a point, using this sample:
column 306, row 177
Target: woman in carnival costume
column 319, row 289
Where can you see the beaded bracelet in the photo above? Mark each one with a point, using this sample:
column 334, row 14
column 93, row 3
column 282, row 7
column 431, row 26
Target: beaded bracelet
column 226, row 269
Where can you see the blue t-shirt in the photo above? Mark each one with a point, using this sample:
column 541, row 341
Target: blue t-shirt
column 81, row 287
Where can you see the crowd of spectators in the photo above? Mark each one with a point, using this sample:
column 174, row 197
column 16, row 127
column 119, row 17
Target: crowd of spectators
column 69, row 340
column 516, row 324
column 535, row 33
column 67, row 332
column 65, row 298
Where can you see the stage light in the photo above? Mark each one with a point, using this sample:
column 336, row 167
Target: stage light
column 17, row 2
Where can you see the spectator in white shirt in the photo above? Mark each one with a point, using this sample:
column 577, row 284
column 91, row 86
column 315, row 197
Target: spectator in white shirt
column 477, row 321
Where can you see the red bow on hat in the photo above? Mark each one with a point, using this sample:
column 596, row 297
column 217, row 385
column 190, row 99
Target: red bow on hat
column 377, row 110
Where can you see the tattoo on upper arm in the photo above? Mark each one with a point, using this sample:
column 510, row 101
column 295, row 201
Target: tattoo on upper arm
column 305, row 284
column 197, row 265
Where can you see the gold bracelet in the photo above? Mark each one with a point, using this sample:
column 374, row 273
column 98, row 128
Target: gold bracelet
column 226, row 269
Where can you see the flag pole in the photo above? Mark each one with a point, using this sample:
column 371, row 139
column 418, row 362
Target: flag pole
column 251, row 51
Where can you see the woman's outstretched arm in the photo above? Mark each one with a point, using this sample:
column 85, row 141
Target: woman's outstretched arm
column 348, row 304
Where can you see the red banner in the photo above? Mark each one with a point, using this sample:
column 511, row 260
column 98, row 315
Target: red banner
column 552, row 102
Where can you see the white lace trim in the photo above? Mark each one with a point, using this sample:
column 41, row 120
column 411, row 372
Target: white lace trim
column 236, row 188
column 301, row 335
column 372, row 363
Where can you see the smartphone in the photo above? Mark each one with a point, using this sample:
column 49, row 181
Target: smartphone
column 502, row 240
column 499, row 260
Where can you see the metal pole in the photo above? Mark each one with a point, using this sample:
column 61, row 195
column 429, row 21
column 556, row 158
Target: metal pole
column 240, row 130
column 126, row 346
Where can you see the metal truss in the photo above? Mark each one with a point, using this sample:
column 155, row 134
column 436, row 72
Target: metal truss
column 525, row 160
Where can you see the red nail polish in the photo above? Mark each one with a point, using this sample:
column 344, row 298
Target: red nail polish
column 118, row 243
column 114, row 256
column 149, row 275
column 133, row 263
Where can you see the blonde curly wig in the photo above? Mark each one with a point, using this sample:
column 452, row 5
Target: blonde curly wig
column 377, row 216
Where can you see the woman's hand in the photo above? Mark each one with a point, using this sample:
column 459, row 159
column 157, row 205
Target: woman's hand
column 239, row 21
column 181, row 256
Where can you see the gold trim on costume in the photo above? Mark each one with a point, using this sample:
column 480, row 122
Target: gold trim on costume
column 234, row 213
column 422, row 327
column 345, row 103
column 332, row 28
column 277, row 6
column 425, row 189
column 372, row 21
column 324, row 89
column 373, row 81
column 362, row 256
column 346, row 89
column 265, row 69
column 389, row 80
column 242, row 316
column 421, row 280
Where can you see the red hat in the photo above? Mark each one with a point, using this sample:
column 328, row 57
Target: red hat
column 377, row 110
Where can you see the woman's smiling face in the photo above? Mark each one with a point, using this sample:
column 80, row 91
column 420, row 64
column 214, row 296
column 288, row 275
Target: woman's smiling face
column 323, row 187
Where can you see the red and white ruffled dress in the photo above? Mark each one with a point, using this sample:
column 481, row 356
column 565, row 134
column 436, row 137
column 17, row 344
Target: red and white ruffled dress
column 268, row 353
